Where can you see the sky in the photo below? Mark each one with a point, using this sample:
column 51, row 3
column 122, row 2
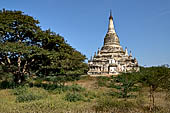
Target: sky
column 143, row 26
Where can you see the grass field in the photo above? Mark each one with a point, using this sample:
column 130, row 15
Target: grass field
column 87, row 95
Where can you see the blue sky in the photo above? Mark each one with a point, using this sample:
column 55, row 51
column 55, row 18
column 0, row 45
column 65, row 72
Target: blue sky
column 143, row 26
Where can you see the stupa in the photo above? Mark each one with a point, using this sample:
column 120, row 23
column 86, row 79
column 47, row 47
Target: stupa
column 111, row 59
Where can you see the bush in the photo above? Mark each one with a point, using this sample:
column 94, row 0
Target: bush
column 74, row 97
column 28, row 97
column 7, row 84
column 90, row 94
column 76, row 88
column 20, row 90
column 39, row 83
column 60, row 90
column 102, row 81
column 72, row 88
column 125, row 84
column 25, row 94
column 7, row 80
column 61, row 79
column 115, row 94
column 74, row 93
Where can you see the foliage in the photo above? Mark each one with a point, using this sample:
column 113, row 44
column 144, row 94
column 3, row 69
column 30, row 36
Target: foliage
column 95, row 100
column 28, row 97
column 27, row 49
column 76, row 88
column 155, row 77
column 63, row 60
column 60, row 80
column 17, row 33
column 102, row 81
column 124, row 83
column 25, row 94
column 90, row 95
column 20, row 90
column 6, row 81
column 56, row 83
column 74, row 97
column 7, row 84
column 75, row 93
column 72, row 88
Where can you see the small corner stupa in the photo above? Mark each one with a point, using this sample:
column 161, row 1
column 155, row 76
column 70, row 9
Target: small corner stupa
column 111, row 59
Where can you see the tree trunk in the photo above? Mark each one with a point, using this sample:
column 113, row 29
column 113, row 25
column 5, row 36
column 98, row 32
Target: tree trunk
column 153, row 101
column 19, row 75
column 19, row 63
column 25, row 65
column 19, row 69
column 150, row 98
column 9, row 61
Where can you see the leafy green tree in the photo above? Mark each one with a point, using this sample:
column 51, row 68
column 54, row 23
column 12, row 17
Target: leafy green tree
column 26, row 49
column 16, row 58
column 15, row 26
column 17, row 46
column 64, row 59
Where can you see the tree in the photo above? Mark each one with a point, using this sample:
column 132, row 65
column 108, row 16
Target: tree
column 25, row 48
column 125, row 83
column 17, row 33
column 15, row 26
column 16, row 58
column 64, row 59
column 154, row 77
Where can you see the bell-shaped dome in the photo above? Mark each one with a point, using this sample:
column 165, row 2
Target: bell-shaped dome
column 111, row 39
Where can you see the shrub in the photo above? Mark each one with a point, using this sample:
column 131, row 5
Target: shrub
column 76, row 88
column 74, row 97
column 74, row 94
column 102, row 81
column 90, row 94
column 72, row 88
column 7, row 84
column 72, row 77
column 47, row 86
column 20, row 90
column 125, row 84
column 28, row 97
column 25, row 94
column 60, row 80
column 60, row 90
column 115, row 94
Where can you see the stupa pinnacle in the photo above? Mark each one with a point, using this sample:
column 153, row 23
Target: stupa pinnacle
column 111, row 28
column 111, row 58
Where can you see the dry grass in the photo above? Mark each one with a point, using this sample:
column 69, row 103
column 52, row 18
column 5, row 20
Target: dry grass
column 100, row 101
